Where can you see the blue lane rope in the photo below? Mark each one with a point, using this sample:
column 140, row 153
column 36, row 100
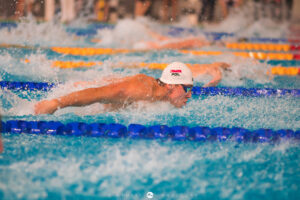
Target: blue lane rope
column 31, row 86
column 284, row 63
column 138, row 131
column 82, row 32
column 251, row 92
column 210, row 91
column 177, row 31
column 8, row 25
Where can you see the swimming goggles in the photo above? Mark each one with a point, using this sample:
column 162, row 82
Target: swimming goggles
column 187, row 88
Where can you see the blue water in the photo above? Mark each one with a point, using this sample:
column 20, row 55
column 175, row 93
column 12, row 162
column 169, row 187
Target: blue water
column 62, row 167
column 46, row 167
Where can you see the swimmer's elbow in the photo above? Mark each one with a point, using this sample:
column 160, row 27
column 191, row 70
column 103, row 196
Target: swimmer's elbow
column 214, row 82
column 224, row 65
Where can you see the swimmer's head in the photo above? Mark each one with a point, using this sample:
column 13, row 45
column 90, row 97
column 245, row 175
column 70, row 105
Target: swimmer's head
column 177, row 73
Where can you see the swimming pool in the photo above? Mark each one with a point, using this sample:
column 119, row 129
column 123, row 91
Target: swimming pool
column 69, row 167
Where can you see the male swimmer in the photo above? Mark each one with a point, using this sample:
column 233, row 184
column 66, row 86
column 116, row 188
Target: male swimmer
column 158, row 41
column 174, row 86
column 163, row 42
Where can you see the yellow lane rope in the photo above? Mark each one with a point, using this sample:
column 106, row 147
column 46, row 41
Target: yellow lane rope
column 256, row 55
column 259, row 46
column 82, row 64
column 73, row 64
column 290, row 71
column 89, row 51
column 108, row 51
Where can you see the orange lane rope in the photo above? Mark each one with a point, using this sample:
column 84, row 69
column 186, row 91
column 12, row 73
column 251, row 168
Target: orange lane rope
column 256, row 55
column 109, row 51
column 90, row 51
column 291, row 71
column 259, row 46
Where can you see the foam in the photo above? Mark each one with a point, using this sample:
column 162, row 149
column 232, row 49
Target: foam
column 118, row 167
column 29, row 32
column 125, row 34
column 241, row 22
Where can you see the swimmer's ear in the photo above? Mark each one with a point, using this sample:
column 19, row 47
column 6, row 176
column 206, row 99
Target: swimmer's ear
column 170, row 86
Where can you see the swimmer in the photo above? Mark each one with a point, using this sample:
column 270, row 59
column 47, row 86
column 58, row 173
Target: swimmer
column 172, row 43
column 157, row 41
column 164, row 42
column 174, row 86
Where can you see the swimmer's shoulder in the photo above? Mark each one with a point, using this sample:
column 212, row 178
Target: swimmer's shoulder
column 141, row 86
column 143, row 77
column 138, row 80
column 143, row 80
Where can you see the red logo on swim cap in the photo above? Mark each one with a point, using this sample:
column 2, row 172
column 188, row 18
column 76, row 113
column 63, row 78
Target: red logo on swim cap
column 176, row 71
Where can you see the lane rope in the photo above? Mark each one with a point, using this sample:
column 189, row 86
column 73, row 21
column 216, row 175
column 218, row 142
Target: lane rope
column 209, row 91
column 262, row 46
column 290, row 71
column 138, row 131
column 256, row 55
column 92, row 51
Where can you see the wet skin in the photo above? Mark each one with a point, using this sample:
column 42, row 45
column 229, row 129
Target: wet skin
column 178, row 97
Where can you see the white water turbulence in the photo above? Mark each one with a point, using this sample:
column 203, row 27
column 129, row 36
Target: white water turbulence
column 122, row 169
column 124, row 35
column 129, row 33
column 30, row 33
column 242, row 23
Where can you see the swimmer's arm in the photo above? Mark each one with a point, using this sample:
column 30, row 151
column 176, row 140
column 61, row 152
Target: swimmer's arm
column 217, row 77
column 156, row 35
column 211, row 69
column 198, row 69
column 105, row 80
column 213, row 82
column 105, row 94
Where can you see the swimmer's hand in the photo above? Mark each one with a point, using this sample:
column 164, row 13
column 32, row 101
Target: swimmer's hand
column 216, row 73
column 46, row 107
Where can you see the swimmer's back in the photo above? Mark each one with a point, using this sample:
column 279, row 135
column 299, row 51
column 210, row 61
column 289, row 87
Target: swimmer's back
column 139, row 86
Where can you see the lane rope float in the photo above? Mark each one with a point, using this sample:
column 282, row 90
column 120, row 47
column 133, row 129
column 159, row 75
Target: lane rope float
column 209, row 91
column 290, row 71
column 138, row 131
column 262, row 46
column 92, row 51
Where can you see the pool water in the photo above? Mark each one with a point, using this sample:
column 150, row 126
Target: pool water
column 47, row 167
column 67, row 167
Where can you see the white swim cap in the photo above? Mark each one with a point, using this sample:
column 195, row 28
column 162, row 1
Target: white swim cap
column 177, row 73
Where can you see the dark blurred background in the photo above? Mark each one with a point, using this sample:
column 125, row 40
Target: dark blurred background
column 165, row 11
